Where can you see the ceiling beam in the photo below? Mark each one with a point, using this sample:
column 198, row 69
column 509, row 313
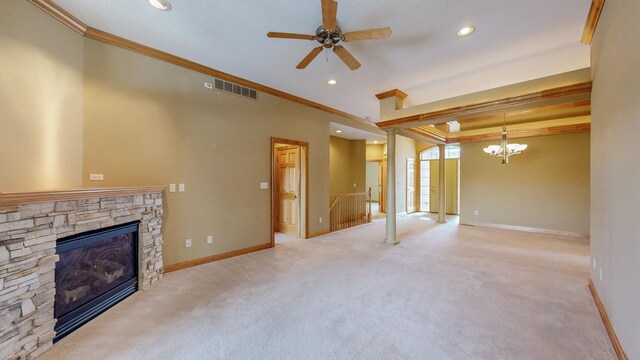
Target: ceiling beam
column 543, row 128
column 533, row 111
column 555, row 130
column 423, row 136
column 592, row 21
column 548, row 97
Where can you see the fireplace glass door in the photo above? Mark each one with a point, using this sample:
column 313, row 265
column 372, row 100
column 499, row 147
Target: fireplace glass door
column 96, row 270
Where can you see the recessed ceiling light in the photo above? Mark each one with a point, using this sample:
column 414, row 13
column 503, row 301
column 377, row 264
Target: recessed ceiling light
column 375, row 142
column 338, row 131
column 332, row 82
column 160, row 4
column 467, row 30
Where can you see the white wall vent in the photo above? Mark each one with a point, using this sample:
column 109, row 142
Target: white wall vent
column 235, row 89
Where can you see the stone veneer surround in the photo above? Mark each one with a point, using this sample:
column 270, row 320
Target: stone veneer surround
column 28, row 235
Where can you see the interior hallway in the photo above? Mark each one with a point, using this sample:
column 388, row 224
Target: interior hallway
column 445, row 292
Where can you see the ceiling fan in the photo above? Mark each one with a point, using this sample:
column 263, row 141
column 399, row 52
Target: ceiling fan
column 329, row 35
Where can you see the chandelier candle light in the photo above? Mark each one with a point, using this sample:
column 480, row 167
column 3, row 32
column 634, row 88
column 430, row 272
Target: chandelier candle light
column 505, row 150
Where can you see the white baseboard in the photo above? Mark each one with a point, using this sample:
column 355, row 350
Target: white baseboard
column 528, row 229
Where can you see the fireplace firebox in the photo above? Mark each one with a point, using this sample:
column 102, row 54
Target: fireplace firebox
column 96, row 270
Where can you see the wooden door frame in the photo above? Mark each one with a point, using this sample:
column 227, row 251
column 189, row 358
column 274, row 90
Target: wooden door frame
column 304, row 148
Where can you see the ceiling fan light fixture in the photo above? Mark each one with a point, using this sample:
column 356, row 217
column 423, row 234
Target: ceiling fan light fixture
column 329, row 35
column 160, row 4
column 467, row 30
column 332, row 82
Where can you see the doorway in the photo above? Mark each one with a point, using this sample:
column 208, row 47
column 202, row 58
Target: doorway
column 289, row 188
column 411, row 186
column 374, row 182
column 430, row 180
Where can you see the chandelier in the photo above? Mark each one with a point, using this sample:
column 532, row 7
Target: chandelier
column 505, row 150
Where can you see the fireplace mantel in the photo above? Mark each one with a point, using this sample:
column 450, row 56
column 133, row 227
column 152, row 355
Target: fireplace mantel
column 31, row 222
column 38, row 196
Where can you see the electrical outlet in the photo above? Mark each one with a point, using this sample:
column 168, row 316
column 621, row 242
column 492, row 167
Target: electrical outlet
column 354, row 185
column 96, row 177
column 188, row 243
column 320, row 220
column 172, row 187
column 181, row 187
column 264, row 185
column 477, row 212
column 210, row 239
column 600, row 274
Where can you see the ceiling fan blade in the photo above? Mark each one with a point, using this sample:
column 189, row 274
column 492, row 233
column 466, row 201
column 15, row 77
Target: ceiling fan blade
column 329, row 14
column 346, row 57
column 309, row 58
column 371, row 34
column 281, row 35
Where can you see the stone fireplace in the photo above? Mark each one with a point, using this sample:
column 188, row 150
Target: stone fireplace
column 33, row 224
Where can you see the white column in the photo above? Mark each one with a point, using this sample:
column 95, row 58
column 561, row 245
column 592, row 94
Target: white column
column 442, row 208
column 391, row 187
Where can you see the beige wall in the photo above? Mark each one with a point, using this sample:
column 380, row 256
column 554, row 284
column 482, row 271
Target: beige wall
column 347, row 159
column 373, row 179
column 615, row 186
column 40, row 100
column 376, row 152
column 149, row 122
column 546, row 187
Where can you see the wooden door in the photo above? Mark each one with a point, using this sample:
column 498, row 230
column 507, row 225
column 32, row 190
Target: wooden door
column 411, row 185
column 288, row 167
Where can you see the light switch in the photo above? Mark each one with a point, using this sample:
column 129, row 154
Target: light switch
column 264, row 185
column 172, row 187
column 181, row 187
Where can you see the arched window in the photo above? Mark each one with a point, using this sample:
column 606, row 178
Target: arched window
column 450, row 152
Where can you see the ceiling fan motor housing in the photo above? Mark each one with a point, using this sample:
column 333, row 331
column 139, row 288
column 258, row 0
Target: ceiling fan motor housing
column 329, row 38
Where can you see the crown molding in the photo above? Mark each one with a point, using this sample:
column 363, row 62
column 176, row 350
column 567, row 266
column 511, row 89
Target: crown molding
column 392, row 93
column 92, row 33
column 592, row 21
column 61, row 15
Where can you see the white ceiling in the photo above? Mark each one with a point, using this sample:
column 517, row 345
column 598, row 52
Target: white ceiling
column 347, row 132
column 515, row 41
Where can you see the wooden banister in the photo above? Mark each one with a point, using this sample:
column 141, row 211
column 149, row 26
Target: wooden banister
column 349, row 210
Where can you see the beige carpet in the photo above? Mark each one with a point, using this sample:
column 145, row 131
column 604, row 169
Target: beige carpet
column 446, row 292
